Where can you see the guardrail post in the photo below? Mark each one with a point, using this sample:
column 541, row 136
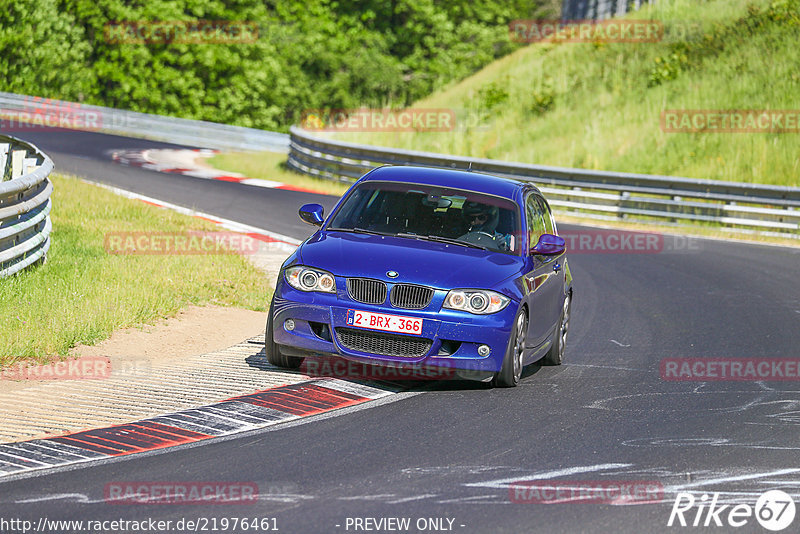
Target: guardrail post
column 17, row 160
column 677, row 199
column 4, row 148
column 29, row 165
column 623, row 196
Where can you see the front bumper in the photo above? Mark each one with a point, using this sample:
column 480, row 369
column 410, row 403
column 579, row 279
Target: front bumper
column 454, row 336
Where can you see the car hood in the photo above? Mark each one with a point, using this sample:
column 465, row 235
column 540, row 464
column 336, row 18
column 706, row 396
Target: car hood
column 416, row 261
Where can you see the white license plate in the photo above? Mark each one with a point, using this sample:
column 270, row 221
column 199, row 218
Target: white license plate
column 382, row 321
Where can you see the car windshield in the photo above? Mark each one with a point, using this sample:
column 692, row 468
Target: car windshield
column 415, row 211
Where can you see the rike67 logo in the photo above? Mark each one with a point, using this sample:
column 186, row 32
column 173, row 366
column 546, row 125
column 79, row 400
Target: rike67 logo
column 774, row 510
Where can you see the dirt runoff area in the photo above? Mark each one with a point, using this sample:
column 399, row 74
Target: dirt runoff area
column 194, row 330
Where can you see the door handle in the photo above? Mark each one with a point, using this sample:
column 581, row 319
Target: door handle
column 557, row 267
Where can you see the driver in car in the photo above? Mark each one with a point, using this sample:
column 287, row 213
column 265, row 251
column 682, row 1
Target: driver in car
column 483, row 219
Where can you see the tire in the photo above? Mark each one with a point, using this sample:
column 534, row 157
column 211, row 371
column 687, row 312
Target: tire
column 511, row 371
column 555, row 356
column 271, row 350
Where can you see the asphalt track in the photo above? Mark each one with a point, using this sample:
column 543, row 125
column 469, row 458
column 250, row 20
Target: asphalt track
column 450, row 451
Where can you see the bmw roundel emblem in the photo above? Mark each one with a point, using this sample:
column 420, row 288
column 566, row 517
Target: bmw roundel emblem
column 392, row 274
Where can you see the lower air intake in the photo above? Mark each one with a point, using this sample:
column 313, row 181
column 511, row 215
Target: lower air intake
column 383, row 344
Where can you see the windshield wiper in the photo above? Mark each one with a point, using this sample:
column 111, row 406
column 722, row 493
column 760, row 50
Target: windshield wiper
column 410, row 235
column 440, row 239
column 453, row 241
column 437, row 238
column 358, row 231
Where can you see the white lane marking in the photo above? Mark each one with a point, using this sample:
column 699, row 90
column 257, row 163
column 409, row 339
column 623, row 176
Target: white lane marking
column 19, row 459
column 503, row 483
column 415, row 498
column 203, row 173
column 354, row 388
column 466, row 499
column 289, row 242
column 54, row 450
column 468, row 469
column 261, row 183
column 737, row 478
column 284, row 497
column 368, row 497
column 76, row 497
column 618, row 343
column 705, row 442
column 602, row 366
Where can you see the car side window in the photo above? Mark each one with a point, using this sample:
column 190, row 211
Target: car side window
column 535, row 218
column 549, row 224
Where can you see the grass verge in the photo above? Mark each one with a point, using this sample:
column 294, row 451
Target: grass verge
column 599, row 105
column 83, row 293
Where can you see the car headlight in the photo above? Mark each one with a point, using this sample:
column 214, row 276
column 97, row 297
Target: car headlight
column 476, row 301
column 308, row 279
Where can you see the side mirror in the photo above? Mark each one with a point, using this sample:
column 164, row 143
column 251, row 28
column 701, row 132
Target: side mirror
column 312, row 214
column 550, row 245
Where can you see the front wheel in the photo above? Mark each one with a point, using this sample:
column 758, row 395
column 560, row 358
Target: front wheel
column 556, row 353
column 511, row 371
column 271, row 350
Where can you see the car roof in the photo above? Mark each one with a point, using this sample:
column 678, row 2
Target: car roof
column 468, row 180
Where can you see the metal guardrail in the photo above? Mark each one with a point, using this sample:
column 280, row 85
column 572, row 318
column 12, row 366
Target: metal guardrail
column 598, row 9
column 20, row 110
column 24, row 205
column 582, row 193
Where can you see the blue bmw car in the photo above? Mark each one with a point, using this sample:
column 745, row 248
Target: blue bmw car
column 434, row 268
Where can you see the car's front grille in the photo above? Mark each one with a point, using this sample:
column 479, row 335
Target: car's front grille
column 366, row 290
column 411, row 296
column 383, row 344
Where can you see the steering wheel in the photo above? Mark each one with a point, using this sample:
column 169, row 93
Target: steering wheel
column 480, row 232
column 479, row 237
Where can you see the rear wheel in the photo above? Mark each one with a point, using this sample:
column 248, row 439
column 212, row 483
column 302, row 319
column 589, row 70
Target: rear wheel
column 511, row 371
column 271, row 350
column 556, row 353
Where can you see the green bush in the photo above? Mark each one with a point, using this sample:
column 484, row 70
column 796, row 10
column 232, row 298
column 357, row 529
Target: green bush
column 690, row 53
column 313, row 55
column 492, row 95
